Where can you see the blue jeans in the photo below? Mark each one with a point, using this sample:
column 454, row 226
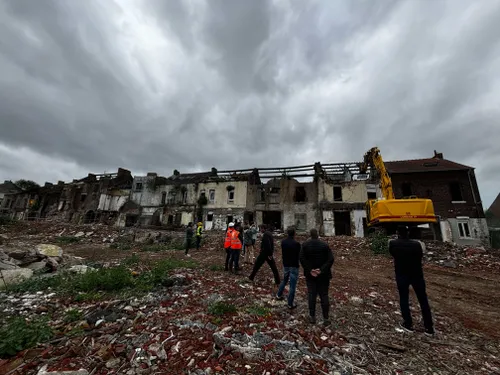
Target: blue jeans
column 292, row 274
column 234, row 260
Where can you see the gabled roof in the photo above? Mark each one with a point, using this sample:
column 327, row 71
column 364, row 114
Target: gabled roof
column 495, row 207
column 424, row 165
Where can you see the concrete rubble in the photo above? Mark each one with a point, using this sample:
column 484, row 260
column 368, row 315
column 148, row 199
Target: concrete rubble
column 172, row 330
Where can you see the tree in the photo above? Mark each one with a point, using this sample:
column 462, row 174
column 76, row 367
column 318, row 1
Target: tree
column 26, row 184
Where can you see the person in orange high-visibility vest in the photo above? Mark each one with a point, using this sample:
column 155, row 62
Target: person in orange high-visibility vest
column 227, row 244
column 236, row 245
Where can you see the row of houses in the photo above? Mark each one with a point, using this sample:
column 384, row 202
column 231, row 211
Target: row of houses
column 330, row 197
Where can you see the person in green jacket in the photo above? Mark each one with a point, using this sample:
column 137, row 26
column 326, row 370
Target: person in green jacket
column 199, row 230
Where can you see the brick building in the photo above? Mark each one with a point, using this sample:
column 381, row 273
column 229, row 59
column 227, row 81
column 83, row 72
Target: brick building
column 453, row 189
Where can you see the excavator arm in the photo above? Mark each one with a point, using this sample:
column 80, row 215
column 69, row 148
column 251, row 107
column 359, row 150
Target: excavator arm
column 374, row 160
column 389, row 210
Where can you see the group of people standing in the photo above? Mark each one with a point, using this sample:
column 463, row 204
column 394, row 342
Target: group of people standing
column 316, row 259
column 314, row 255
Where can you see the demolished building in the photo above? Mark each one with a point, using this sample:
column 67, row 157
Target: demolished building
column 330, row 197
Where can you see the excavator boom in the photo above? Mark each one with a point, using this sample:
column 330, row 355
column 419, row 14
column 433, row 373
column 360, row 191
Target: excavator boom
column 389, row 210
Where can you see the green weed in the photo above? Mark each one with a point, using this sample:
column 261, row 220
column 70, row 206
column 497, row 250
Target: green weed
column 73, row 315
column 18, row 334
column 259, row 310
column 379, row 243
column 220, row 308
column 65, row 240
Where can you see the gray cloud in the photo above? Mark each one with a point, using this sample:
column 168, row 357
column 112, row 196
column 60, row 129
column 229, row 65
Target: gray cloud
column 158, row 85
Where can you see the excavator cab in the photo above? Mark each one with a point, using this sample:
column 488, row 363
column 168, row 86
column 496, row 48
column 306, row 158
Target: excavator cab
column 389, row 211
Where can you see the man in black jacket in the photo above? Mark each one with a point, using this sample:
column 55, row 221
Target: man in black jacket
column 407, row 256
column 316, row 258
column 290, row 254
column 266, row 255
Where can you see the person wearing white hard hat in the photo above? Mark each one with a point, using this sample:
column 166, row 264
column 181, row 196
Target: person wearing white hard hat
column 227, row 244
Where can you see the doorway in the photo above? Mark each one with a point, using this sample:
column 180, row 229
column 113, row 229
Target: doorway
column 342, row 222
column 272, row 218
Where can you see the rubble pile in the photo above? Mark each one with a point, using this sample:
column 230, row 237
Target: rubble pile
column 206, row 321
column 20, row 263
column 172, row 331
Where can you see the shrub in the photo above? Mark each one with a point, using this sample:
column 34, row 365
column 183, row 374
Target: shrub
column 220, row 308
column 259, row 310
column 18, row 334
column 379, row 243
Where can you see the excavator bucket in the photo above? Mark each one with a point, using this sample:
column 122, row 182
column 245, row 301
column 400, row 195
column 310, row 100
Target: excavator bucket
column 393, row 211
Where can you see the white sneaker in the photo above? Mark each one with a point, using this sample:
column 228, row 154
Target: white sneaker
column 188, row 255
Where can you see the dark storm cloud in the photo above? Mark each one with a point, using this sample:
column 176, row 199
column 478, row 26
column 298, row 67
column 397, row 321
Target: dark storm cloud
column 157, row 85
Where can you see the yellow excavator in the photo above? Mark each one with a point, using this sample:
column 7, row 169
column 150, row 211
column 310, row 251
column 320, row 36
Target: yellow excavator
column 389, row 211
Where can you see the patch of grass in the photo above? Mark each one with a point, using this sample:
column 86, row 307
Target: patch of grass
column 106, row 280
column 259, row 310
column 65, row 240
column 121, row 246
column 216, row 267
column 87, row 297
column 73, row 315
column 131, row 261
column 379, row 243
column 155, row 248
column 18, row 334
column 220, row 308
column 36, row 284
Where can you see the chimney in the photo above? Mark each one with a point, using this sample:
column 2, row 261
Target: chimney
column 47, row 184
column 60, row 183
column 438, row 155
column 152, row 174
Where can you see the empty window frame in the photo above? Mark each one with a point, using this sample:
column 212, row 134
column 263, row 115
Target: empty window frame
column 300, row 194
column 337, row 193
column 211, row 195
column 456, row 192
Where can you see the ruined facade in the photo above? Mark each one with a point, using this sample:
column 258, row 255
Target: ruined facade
column 330, row 197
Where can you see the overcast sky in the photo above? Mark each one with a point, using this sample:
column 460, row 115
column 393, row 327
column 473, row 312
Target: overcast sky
column 156, row 85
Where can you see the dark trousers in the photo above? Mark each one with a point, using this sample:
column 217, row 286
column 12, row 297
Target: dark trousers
column 188, row 244
column 198, row 241
column 228, row 257
column 261, row 259
column 315, row 287
column 234, row 260
column 418, row 284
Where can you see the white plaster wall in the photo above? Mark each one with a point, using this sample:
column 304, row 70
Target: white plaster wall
column 186, row 218
column 221, row 194
column 328, row 224
column 111, row 202
column 290, row 210
column 357, row 218
column 352, row 192
column 446, row 231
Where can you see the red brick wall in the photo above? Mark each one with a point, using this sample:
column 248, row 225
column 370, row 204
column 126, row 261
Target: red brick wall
column 436, row 186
